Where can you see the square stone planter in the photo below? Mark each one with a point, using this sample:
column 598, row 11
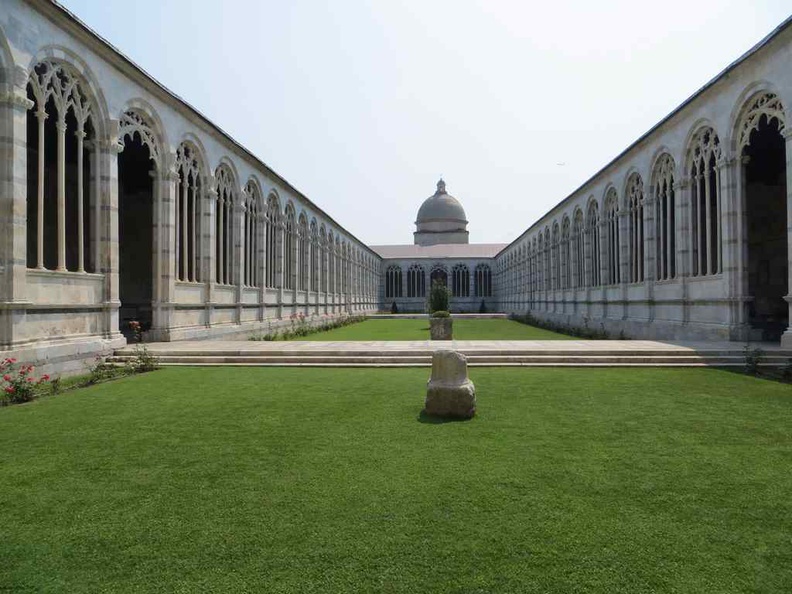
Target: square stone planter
column 440, row 328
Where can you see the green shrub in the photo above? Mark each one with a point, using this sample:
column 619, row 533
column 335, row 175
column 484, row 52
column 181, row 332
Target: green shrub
column 753, row 358
column 439, row 296
column 394, row 308
column 441, row 314
column 300, row 327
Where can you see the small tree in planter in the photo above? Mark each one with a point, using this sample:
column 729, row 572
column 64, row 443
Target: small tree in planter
column 440, row 322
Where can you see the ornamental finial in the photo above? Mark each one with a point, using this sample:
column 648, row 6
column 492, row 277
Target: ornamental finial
column 441, row 187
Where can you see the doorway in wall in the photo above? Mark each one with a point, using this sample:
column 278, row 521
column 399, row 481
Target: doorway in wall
column 766, row 220
column 135, row 234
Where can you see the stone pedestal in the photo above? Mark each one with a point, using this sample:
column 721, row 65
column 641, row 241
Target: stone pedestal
column 440, row 328
column 450, row 393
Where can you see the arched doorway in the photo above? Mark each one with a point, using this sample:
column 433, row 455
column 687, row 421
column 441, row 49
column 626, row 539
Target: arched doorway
column 439, row 274
column 764, row 170
column 135, row 234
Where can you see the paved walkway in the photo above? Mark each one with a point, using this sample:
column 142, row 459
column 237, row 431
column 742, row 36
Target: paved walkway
column 220, row 347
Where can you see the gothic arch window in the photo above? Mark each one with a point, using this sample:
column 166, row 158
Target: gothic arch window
column 302, row 253
column 483, row 281
column 566, row 260
column 314, row 257
column 460, row 281
column 273, row 233
column 251, row 232
column 62, row 203
column 665, row 218
column 289, row 249
column 578, row 246
column 635, row 234
column 224, row 225
column 705, row 153
column 594, row 278
column 763, row 149
column 767, row 106
column 612, row 243
column 540, row 263
column 416, row 281
column 189, row 191
column 134, row 124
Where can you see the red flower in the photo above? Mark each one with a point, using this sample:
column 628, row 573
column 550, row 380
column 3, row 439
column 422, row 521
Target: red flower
column 7, row 377
column 9, row 389
column 44, row 377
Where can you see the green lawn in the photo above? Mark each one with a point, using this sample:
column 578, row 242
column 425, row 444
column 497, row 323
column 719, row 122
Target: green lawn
column 315, row 480
column 412, row 329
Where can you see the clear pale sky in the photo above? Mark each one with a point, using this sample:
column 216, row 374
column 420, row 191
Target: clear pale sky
column 362, row 105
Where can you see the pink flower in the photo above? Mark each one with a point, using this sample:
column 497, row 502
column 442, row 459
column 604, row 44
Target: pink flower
column 45, row 377
column 7, row 377
column 9, row 389
column 31, row 379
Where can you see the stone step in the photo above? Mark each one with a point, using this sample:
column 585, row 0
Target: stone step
column 331, row 352
column 428, row 364
column 413, row 359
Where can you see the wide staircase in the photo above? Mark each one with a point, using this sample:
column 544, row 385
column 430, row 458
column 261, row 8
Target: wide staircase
column 479, row 354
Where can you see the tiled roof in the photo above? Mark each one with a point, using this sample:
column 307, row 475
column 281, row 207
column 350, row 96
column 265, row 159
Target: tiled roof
column 442, row 250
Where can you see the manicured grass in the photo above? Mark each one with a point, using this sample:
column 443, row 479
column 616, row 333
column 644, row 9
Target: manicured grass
column 317, row 480
column 412, row 329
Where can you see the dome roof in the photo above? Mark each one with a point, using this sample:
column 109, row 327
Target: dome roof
column 442, row 207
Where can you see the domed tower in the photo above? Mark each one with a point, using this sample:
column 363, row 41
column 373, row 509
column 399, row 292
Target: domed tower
column 441, row 219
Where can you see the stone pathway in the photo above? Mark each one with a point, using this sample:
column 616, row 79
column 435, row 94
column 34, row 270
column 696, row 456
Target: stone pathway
column 479, row 352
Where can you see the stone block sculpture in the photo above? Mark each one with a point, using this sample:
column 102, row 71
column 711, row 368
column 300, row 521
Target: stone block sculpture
column 450, row 393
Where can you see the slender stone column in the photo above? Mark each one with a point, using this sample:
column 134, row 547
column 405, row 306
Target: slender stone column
column 786, row 339
column 80, row 134
column 61, row 128
column 41, row 116
column 220, row 242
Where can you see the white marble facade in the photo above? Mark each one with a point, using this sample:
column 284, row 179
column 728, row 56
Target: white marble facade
column 118, row 201
column 688, row 232
column 137, row 207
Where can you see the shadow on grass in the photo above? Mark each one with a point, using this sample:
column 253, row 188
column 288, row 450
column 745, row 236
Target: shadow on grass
column 427, row 419
column 782, row 375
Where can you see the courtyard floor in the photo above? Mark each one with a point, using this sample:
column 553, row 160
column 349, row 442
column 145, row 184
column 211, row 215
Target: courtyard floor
column 418, row 329
column 328, row 480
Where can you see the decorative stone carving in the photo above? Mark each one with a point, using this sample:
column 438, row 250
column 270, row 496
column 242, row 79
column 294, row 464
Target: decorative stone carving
column 450, row 393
